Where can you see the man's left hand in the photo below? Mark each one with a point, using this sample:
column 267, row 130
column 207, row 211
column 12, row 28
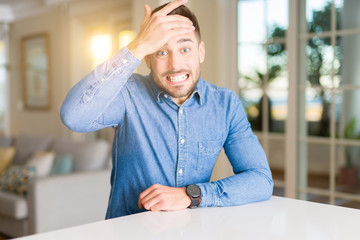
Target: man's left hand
column 163, row 198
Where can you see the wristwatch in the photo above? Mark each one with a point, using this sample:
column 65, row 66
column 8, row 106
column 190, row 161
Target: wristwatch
column 194, row 192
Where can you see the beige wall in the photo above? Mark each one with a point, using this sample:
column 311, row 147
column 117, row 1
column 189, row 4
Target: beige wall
column 66, row 26
column 26, row 121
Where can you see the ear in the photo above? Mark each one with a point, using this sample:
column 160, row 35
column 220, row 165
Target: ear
column 202, row 52
column 147, row 61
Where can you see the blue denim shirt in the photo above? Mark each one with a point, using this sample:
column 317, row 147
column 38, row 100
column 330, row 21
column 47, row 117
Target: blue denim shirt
column 159, row 142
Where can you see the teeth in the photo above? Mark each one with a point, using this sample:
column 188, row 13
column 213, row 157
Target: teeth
column 177, row 78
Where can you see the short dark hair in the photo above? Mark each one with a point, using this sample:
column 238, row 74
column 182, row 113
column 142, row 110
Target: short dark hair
column 182, row 11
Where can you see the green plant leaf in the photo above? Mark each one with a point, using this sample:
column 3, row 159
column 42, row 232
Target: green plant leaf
column 350, row 129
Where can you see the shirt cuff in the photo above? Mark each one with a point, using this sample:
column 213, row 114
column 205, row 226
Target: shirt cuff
column 209, row 194
column 125, row 58
column 122, row 61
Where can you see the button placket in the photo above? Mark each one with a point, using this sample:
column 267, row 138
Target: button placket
column 182, row 146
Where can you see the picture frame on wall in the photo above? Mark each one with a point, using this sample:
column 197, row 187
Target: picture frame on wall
column 36, row 72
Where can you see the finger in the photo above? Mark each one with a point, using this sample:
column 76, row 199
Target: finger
column 176, row 26
column 140, row 204
column 141, row 197
column 171, row 6
column 150, row 203
column 176, row 32
column 145, row 193
column 150, row 199
column 148, row 190
column 159, row 206
column 147, row 11
column 175, row 17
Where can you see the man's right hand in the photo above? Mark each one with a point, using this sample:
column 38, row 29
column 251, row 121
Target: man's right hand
column 157, row 29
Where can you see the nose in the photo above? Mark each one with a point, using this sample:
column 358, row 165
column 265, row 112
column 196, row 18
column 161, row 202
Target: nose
column 174, row 61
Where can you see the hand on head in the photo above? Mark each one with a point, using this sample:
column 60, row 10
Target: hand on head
column 159, row 28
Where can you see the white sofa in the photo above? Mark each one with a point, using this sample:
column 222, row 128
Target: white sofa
column 58, row 201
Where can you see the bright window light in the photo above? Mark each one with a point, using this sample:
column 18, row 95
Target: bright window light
column 125, row 37
column 100, row 48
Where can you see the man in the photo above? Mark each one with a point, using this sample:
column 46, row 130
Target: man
column 170, row 125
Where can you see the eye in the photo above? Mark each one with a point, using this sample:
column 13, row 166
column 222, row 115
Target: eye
column 162, row 53
column 185, row 50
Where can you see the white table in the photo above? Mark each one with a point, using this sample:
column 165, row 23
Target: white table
column 278, row 218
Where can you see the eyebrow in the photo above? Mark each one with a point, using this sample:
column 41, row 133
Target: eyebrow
column 184, row 40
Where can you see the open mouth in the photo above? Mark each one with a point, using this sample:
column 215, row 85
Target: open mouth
column 177, row 78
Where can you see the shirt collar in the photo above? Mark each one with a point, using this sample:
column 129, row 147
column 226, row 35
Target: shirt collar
column 198, row 92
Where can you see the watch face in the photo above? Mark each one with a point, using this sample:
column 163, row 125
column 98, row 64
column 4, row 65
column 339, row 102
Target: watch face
column 193, row 190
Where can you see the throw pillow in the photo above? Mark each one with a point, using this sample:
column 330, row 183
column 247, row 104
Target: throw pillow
column 62, row 165
column 6, row 156
column 42, row 162
column 16, row 178
column 26, row 145
column 88, row 155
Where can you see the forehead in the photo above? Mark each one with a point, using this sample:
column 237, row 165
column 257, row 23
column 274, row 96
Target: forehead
column 189, row 38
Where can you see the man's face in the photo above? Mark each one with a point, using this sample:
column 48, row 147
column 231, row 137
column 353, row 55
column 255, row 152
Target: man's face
column 175, row 68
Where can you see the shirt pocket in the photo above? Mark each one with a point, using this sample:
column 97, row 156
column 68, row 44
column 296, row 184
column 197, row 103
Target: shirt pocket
column 208, row 153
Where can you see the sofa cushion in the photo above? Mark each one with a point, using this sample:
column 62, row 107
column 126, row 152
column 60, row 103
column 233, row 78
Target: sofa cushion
column 16, row 178
column 26, row 145
column 13, row 205
column 6, row 156
column 63, row 164
column 87, row 155
column 42, row 162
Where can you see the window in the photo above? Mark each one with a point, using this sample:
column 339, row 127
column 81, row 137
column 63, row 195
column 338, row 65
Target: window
column 329, row 94
column 102, row 45
column 101, row 48
column 326, row 92
column 263, row 81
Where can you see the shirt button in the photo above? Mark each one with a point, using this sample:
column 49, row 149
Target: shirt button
column 180, row 171
column 102, row 79
column 165, row 95
column 125, row 61
column 181, row 111
column 182, row 141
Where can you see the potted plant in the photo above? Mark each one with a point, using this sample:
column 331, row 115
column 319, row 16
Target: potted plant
column 349, row 173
